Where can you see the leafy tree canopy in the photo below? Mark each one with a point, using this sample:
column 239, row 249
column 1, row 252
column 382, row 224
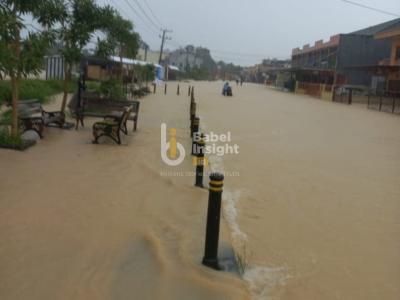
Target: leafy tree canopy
column 121, row 39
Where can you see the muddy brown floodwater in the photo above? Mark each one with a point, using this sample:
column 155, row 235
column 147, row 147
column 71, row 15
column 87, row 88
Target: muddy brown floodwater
column 311, row 205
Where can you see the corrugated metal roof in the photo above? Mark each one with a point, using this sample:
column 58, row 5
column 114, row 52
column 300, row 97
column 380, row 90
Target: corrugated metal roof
column 378, row 28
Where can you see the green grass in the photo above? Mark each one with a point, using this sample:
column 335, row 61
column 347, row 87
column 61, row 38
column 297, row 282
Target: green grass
column 34, row 89
column 93, row 86
column 112, row 89
column 43, row 90
column 8, row 140
column 5, row 117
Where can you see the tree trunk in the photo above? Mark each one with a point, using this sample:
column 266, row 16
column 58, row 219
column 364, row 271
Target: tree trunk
column 15, row 96
column 121, row 77
column 15, row 76
column 122, row 65
column 67, row 79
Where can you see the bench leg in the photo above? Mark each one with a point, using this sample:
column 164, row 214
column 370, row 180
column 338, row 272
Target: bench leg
column 119, row 138
column 77, row 123
column 125, row 129
column 114, row 134
column 134, row 125
column 79, row 120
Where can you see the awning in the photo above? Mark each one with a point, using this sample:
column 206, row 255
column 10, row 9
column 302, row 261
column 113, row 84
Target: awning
column 129, row 61
column 173, row 68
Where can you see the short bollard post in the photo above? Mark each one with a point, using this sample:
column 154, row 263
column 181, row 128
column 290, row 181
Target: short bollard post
column 191, row 102
column 350, row 97
column 177, row 90
column 192, row 95
column 154, row 88
column 189, row 91
column 193, row 111
column 200, row 162
column 213, row 220
column 193, row 130
column 165, row 89
column 191, row 125
column 394, row 104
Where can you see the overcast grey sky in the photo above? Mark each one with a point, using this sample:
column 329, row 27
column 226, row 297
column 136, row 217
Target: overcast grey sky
column 244, row 32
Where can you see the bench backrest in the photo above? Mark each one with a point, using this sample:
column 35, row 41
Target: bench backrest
column 94, row 102
column 125, row 115
column 122, row 103
column 29, row 107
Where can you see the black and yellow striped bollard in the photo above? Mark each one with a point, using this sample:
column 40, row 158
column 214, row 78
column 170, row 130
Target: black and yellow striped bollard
column 154, row 88
column 189, row 91
column 178, row 90
column 200, row 162
column 210, row 258
column 192, row 94
column 165, row 89
column 193, row 111
column 191, row 103
column 195, row 127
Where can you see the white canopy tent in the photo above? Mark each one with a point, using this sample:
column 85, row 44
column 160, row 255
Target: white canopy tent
column 159, row 78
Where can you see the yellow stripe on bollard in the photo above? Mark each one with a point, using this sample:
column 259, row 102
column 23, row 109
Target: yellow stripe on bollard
column 217, row 183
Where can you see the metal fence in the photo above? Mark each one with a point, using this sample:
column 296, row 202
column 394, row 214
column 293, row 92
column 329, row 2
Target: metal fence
column 386, row 101
column 54, row 66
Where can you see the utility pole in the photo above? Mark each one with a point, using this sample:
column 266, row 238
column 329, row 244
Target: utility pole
column 187, row 59
column 146, row 49
column 163, row 38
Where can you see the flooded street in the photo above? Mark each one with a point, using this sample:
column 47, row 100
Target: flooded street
column 314, row 212
column 318, row 193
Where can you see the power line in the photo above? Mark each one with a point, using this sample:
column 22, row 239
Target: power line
column 153, row 14
column 371, row 8
column 118, row 8
column 146, row 15
column 137, row 14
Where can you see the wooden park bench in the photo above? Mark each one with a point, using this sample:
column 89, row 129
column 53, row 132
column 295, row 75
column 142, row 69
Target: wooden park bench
column 112, row 126
column 95, row 106
column 32, row 116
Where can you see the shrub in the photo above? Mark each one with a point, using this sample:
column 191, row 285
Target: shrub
column 112, row 89
column 5, row 117
column 145, row 73
column 8, row 140
column 93, row 86
column 34, row 89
